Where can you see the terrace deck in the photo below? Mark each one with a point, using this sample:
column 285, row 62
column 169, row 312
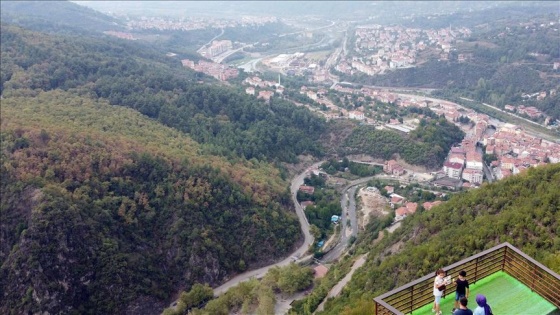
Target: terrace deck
column 504, row 294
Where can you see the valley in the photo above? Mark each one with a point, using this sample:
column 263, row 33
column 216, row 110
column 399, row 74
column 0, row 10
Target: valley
column 221, row 158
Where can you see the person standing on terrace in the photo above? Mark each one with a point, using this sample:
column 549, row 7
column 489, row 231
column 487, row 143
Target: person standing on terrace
column 462, row 289
column 439, row 286
column 483, row 308
column 463, row 310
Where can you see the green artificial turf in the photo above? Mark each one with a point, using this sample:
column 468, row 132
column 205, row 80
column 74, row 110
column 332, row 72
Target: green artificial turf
column 503, row 293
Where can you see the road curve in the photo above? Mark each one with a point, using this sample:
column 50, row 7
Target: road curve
column 308, row 240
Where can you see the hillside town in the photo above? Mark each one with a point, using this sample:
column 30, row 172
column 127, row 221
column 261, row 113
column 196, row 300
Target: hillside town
column 196, row 23
column 510, row 147
column 491, row 150
column 381, row 48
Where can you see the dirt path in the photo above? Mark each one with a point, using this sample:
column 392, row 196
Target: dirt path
column 338, row 287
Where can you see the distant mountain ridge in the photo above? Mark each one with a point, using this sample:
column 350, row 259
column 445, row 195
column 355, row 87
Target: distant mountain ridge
column 57, row 16
column 379, row 11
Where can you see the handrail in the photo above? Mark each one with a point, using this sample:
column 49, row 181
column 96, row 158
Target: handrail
column 503, row 257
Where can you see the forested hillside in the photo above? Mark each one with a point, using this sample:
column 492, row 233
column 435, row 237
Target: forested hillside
column 57, row 16
column 104, row 210
column 127, row 178
column 427, row 145
column 226, row 120
column 523, row 210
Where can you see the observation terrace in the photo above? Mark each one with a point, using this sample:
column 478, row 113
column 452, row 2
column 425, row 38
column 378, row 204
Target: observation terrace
column 512, row 282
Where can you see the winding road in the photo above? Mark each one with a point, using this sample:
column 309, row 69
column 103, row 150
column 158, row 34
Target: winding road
column 308, row 240
column 297, row 181
column 298, row 253
column 348, row 204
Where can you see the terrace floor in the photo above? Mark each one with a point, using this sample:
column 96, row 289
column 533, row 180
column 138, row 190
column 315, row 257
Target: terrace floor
column 504, row 294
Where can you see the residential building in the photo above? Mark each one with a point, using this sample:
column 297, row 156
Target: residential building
column 474, row 176
column 452, row 170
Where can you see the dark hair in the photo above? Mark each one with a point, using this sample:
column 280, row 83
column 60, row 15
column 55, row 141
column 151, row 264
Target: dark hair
column 440, row 271
column 463, row 301
column 463, row 273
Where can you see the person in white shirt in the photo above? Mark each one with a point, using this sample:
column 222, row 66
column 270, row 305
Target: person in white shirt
column 439, row 286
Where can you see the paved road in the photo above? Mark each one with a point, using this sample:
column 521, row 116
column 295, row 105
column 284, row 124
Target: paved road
column 348, row 204
column 308, row 240
column 222, row 57
column 311, row 30
column 250, row 66
column 210, row 41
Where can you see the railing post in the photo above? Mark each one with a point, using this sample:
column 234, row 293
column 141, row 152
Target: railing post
column 534, row 276
column 504, row 260
column 411, row 298
column 376, row 308
column 475, row 269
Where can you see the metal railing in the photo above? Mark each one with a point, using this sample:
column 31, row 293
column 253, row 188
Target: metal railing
column 503, row 257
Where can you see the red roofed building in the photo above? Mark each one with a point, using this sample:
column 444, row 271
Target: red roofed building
column 453, row 170
column 307, row 189
column 429, row 205
column 388, row 166
column 392, row 167
column 411, row 207
column 400, row 213
column 408, row 209
column 458, row 150
column 507, row 163
column 266, row 95
column 474, row 160
column 457, row 158
column 396, row 199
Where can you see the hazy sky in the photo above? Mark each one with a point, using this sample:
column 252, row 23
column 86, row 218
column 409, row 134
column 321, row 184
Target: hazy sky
column 333, row 8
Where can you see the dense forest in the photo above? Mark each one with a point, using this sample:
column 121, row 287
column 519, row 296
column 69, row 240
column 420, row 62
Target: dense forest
column 126, row 177
column 427, row 145
column 227, row 121
column 523, row 210
column 104, row 209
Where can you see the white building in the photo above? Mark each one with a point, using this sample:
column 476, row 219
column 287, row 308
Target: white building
column 474, row 160
column 473, row 175
column 356, row 115
column 453, row 170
